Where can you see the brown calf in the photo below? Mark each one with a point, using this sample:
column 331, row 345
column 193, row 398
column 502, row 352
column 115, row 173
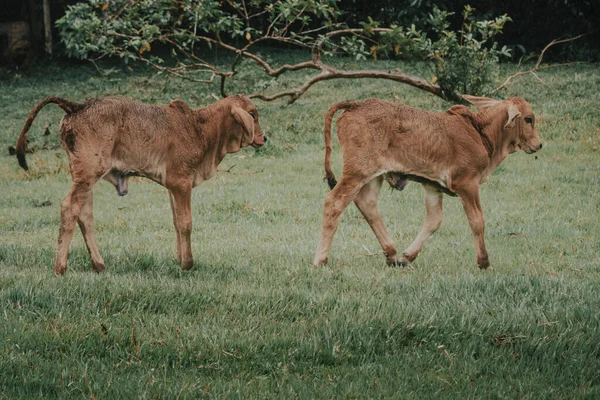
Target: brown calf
column 174, row 145
column 452, row 152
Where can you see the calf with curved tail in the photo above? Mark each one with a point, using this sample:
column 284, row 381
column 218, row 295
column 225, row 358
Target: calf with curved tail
column 451, row 152
column 175, row 146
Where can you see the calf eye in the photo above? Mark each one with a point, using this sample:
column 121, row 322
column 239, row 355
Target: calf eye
column 529, row 120
column 252, row 114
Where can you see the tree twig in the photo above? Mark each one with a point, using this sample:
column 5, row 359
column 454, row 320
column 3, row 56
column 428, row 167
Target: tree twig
column 538, row 65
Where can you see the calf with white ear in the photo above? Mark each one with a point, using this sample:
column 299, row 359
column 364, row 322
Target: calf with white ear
column 451, row 153
column 174, row 145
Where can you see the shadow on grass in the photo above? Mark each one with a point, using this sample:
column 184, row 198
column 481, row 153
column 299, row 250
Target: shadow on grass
column 31, row 257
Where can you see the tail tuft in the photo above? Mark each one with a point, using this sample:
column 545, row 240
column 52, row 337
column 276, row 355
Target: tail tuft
column 331, row 181
column 21, row 158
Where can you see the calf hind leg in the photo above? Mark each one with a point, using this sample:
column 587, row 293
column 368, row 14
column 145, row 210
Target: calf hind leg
column 70, row 211
column 366, row 201
column 335, row 203
column 433, row 220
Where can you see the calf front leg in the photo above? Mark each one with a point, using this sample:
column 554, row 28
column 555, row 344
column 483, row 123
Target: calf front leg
column 433, row 220
column 472, row 207
column 335, row 203
column 182, row 217
column 366, row 201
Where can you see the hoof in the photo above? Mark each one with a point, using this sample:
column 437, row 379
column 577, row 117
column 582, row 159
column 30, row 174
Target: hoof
column 483, row 262
column 320, row 263
column 98, row 267
column 394, row 262
column 187, row 265
column 407, row 258
column 59, row 271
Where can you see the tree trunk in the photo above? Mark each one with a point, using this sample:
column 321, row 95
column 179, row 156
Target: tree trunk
column 47, row 27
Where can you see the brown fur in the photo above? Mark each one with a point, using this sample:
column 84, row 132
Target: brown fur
column 174, row 145
column 451, row 152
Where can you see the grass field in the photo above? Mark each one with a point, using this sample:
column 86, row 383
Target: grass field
column 254, row 319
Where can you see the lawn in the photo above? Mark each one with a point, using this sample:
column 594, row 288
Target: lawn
column 254, row 318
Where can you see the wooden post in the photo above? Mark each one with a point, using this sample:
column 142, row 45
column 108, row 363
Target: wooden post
column 48, row 27
column 35, row 24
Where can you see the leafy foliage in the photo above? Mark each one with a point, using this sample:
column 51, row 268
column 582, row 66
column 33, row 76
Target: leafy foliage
column 466, row 62
column 532, row 29
column 461, row 62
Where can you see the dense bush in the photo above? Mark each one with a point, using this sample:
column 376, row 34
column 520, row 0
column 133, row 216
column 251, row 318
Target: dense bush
column 465, row 61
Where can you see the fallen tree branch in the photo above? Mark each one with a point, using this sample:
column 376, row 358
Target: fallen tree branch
column 127, row 34
column 326, row 72
column 329, row 73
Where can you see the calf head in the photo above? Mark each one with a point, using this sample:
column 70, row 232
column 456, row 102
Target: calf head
column 528, row 138
column 519, row 124
column 245, row 131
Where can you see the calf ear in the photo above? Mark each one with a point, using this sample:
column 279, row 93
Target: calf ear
column 513, row 112
column 481, row 102
column 245, row 120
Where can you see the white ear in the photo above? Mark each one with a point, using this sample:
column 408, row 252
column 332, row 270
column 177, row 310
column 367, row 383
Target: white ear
column 246, row 120
column 513, row 112
column 481, row 102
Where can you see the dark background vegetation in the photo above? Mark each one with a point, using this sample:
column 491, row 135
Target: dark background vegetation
column 535, row 22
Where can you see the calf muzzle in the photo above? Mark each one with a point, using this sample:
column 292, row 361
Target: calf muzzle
column 259, row 141
column 533, row 149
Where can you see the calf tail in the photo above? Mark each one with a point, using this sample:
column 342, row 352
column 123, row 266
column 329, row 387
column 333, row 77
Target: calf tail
column 343, row 105
column 68, row 106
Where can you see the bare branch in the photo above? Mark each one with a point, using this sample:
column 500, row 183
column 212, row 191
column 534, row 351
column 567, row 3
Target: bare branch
column 538, row 65
column 246, row 14
column 272, row 25
column 284, row 30
column 328, row 73
column 301, row 32
column 284, row 68
column 552, row 43
column 258, row 14
column 265, row 65
column 341, row 32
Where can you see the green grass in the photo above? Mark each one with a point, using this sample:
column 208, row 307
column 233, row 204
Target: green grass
column 254, row 319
